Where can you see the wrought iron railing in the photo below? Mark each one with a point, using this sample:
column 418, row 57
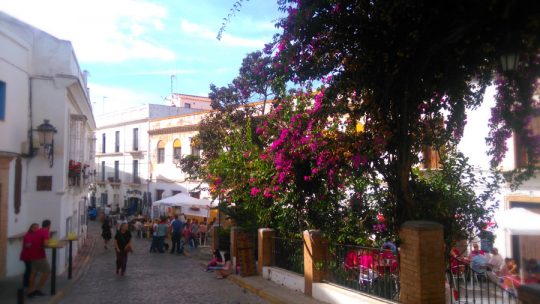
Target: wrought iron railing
column 289, row 254
column 478, row 284
column 367, row 270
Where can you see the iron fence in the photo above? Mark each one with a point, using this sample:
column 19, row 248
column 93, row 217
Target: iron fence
column 367, row 270
column 478, row 284
column 289, row 254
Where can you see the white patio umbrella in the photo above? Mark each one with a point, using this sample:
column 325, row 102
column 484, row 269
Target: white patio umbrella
column 190, row 205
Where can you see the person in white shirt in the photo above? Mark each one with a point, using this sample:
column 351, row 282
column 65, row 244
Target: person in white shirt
column 496, row 261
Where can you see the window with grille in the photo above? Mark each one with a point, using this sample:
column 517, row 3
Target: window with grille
column 116, row 170
column 521, row 155
column 161, row 152
column 103, row 171
column 177, row 149
column 2, row 100
column 77, row 137
column 103, row 141
column 159, row 194
column 117, row 141
column 136, row 179
column 136, row 139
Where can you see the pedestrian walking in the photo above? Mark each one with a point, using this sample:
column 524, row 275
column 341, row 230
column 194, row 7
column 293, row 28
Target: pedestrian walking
column 106, row 232
column 26, row 254
column 194, row 240
column 162, row 230
column 154, row 244
column 122, row 242
column 176, row 235
column 40, row 265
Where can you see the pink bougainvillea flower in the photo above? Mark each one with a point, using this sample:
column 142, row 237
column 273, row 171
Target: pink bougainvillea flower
column 267, row 193
column 255, row 191
column 380, row 217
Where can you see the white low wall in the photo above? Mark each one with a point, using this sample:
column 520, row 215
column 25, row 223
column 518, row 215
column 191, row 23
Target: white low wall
column 333, row 294
column 285, row 278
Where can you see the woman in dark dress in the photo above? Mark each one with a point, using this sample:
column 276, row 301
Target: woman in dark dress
column 106, row 231
column 122, row 242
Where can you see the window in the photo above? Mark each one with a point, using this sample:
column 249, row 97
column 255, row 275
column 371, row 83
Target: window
column 521, row 155
column 2, row 100
column 103, row 171
column 175, row 192
column 103, row 141
column 431, row 158
column 187, row 105
column 77, row 137
column 195, row 148
column 159, row 194
column 116, row 199
column 136, row 179
column 116, row 170
column 44, row 183
column 117, row 141
column 161, row 152
column 177, row 149
column 136, row 139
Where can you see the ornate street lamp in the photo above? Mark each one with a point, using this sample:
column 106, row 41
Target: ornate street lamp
column 46, row 133
column 509, row 62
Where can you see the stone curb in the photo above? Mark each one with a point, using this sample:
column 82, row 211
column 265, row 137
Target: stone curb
column 86, row 265
column 258, row 291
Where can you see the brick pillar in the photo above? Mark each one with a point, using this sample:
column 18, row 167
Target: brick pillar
column 215, row 238
column 422, row 262
column 266, row 240
column 234, row 238
column 314, row 253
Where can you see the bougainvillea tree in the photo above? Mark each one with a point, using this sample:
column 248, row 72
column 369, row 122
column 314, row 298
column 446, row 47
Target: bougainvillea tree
column 392, row 78
column 405, row 66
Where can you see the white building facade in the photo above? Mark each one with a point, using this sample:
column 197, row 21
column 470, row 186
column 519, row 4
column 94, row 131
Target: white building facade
column 40, row 79
column 527, row 196
column 124, row 178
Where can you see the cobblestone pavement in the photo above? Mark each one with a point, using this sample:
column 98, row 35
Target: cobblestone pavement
column 153, row 278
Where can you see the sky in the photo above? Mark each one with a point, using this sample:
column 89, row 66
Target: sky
column 132, row 47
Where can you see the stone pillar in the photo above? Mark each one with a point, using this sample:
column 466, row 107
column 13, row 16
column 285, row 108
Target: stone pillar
column 314, row 254
column 215, row 238
column 422, row 263
column 266, row 240
column 234, row 238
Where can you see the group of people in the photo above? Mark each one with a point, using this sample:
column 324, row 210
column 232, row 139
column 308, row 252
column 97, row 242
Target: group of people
column 33, row 255
column 180, row 231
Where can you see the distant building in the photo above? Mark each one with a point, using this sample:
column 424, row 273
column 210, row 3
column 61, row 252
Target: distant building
column 40, row 79
column 124, row 176
column 170, row 139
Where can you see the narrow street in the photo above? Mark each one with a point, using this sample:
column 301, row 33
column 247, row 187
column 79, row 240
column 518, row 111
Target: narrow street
column 152, row 278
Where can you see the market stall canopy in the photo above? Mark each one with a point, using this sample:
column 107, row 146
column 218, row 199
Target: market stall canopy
column 189, row 205
column 519, row 221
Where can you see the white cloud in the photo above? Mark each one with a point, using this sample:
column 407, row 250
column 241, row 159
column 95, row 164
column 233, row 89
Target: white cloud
column 100, row 30
column 204, row 32
column 107, row 99
column 161, row 72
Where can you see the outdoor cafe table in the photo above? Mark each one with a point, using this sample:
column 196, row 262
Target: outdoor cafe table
column 60, row 244
column 70, row 257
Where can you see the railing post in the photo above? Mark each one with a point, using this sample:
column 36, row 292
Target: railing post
column 314, row 253
column 266, row 252
column 234, row 239
column 422, row 263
